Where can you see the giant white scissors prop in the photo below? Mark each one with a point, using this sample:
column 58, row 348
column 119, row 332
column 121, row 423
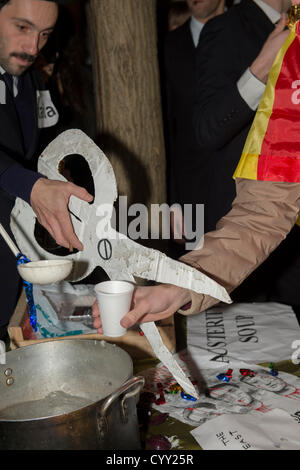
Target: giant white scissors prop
column 120, row 257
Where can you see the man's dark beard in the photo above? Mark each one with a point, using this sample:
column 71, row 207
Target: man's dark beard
column 24, row 56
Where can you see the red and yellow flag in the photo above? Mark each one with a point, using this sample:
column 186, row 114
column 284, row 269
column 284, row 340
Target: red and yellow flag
column 272, row 149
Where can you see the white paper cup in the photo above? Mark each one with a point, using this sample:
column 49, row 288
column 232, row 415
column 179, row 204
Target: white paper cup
column 114, row 300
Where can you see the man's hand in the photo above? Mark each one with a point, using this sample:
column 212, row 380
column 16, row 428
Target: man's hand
column 150, row 304
column 49, row 199
column 264, row 61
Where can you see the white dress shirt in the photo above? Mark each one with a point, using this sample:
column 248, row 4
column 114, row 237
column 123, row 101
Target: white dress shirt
column 196, row 28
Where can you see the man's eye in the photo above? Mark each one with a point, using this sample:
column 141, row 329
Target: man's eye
column 46, row 35
column 21, row 27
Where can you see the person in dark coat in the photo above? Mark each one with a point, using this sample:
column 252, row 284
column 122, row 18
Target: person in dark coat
column 183, row 156
column 26, row 109
column 234, row 57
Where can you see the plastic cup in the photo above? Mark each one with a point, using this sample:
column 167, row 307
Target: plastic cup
column 114, row 300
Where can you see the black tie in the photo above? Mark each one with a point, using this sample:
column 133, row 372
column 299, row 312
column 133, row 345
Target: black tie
column 9, row 82
column 24, row 107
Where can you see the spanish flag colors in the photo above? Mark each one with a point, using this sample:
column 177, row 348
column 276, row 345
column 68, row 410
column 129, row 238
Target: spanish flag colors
column 272, row 149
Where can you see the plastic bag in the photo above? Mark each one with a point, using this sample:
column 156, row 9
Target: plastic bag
column 64, row 309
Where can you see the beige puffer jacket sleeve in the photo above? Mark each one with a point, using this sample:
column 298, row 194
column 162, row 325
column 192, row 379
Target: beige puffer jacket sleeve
column 262, row 214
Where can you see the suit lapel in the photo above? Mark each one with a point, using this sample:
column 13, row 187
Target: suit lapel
column 187, row 37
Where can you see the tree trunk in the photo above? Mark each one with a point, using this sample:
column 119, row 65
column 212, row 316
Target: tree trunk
column 123, row 41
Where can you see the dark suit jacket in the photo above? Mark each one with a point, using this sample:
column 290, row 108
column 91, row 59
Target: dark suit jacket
column 11, row 152
column 229, row 44
column 11, row 139
column 184, row 160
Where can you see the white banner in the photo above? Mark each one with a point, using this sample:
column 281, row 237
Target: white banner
column 249, row 389
column 255, row 333
column 276, row 430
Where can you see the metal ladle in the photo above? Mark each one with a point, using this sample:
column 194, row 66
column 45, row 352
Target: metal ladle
column 39, row 272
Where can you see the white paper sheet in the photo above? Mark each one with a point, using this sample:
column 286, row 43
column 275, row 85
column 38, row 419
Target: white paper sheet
column 249, row 332
column 261, row 393
column 275, row 430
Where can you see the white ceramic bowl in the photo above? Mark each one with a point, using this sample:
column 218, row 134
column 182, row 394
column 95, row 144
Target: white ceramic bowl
column 45, row 271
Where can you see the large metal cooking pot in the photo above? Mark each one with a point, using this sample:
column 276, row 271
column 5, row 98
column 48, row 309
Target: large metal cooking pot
column 69, row 394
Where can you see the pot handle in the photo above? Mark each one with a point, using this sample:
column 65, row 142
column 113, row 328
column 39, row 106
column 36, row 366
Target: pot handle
column 136, row 382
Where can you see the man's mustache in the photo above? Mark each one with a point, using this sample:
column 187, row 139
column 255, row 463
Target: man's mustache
column 24, row 56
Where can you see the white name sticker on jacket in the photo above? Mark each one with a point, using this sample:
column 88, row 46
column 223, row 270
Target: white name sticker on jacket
column 2, row 93
column 47, row 112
